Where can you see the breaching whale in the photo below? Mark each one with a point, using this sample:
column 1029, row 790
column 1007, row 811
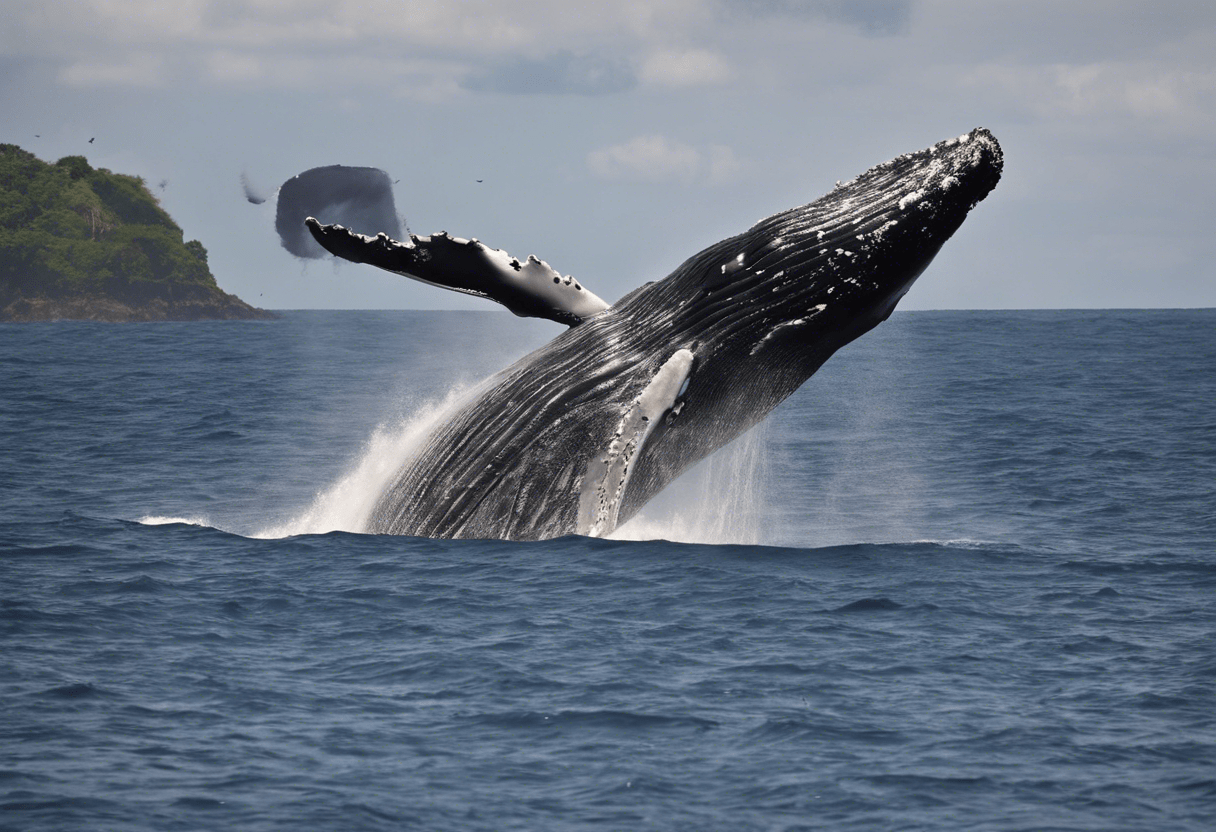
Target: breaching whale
column 577, row 436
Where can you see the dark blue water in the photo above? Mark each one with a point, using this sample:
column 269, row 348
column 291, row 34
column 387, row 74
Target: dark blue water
column 965, row 579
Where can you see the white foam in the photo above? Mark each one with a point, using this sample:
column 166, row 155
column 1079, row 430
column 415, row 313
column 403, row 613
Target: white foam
column 720, row 501
column 957, row 542
column 159, row 520
column 346, row 505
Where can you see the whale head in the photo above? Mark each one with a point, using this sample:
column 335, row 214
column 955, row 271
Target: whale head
column 820, row 275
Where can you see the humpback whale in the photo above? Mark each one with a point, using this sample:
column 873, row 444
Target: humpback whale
column 577, row 436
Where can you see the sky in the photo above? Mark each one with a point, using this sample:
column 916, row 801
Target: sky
column 616, row 139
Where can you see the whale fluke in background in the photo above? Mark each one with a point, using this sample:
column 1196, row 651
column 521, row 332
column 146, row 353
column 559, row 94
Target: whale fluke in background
column 352, row 196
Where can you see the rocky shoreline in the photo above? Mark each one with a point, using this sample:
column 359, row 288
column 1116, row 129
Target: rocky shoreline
column 220, row 307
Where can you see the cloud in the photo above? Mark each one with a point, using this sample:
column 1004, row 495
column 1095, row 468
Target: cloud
column 412, row 78
column 686, row 68
column 513, row 46
column 647, row 158
column 658, row 159
column 721, row 164
column 499, row 28
column 132, row 71
column 1106, row 89
column 234, row 67
column 872, row 17
column 561, row 73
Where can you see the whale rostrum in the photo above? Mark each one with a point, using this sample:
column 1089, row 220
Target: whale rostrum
column 577, row 436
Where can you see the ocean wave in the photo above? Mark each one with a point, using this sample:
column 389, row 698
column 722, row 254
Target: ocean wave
column 170, row 520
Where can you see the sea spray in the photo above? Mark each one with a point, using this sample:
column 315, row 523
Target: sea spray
column 346, row 505
column 720, row 500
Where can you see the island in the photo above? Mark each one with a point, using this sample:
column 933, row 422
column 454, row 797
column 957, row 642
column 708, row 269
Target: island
column 78, row 243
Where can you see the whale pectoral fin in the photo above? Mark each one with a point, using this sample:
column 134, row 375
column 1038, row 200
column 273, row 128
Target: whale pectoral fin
column 530, row 289
column 607, row 476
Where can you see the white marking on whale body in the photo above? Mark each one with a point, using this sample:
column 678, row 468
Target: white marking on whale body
column 815, row 310
column 733, row 265
column 886, row 226
column 608, row 476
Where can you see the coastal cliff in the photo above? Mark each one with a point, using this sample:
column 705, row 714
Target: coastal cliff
column 78, row 243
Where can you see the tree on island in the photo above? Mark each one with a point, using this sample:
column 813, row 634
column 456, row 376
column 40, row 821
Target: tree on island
column 72, row 233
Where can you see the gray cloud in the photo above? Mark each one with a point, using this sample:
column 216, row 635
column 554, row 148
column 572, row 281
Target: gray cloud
column 872, row 17
column 563, row 73
column 658, row 159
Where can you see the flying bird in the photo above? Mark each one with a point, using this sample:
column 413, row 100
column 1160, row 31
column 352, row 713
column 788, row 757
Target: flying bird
column 91, row 140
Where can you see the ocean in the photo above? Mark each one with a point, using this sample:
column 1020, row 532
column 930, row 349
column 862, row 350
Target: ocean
column 964, row 579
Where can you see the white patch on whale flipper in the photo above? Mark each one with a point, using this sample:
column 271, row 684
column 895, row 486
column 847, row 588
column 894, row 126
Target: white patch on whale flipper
column 608, row 475
column 529, row 288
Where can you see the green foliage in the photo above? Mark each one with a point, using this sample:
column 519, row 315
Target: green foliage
column 76, row 166
column 129, row 198
column 68, row 227
column 196, row 248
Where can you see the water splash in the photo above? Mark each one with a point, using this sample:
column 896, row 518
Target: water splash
column 720, row 500
column 347, row 504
